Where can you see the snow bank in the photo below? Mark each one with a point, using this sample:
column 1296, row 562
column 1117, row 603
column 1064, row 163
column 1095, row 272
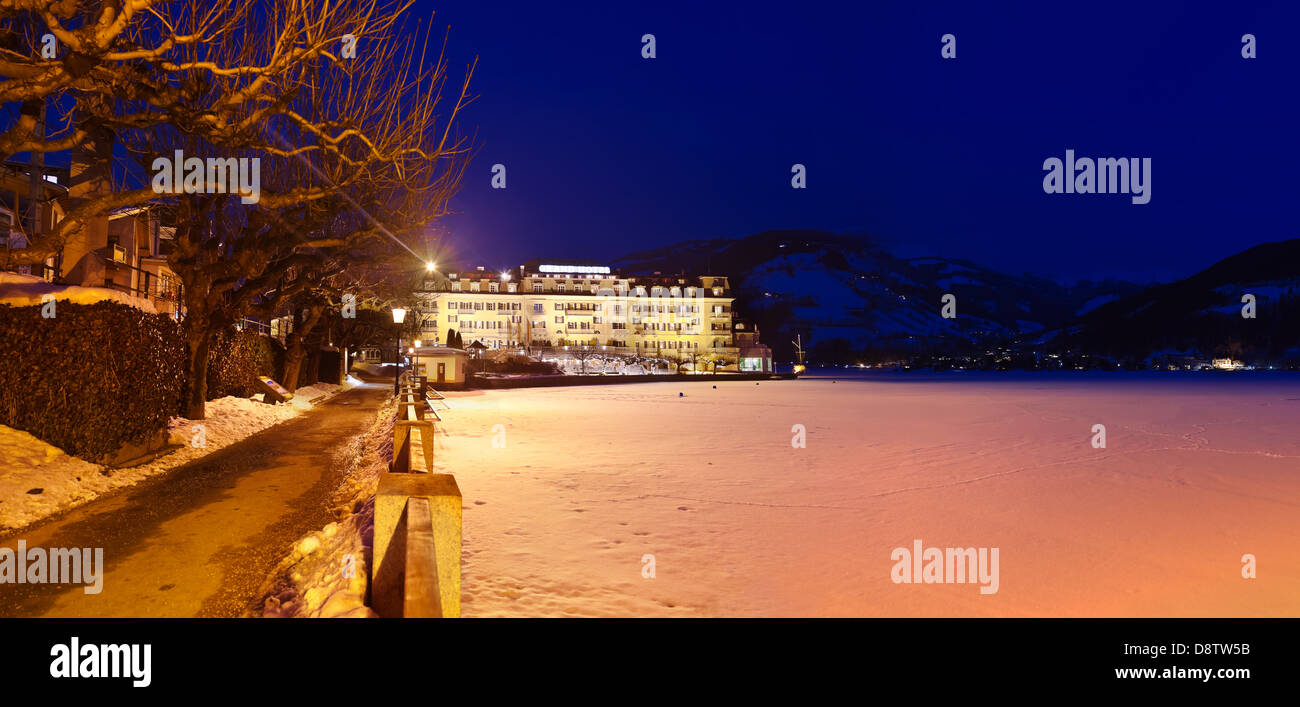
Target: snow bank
column 27, row 463
column 27, row 290
column 38, row 479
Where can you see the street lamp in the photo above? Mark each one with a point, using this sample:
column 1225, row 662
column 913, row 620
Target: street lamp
column 399, row 316
column 430, row 266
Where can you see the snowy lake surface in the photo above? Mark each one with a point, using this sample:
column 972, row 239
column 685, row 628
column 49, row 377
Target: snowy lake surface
column 572, row 494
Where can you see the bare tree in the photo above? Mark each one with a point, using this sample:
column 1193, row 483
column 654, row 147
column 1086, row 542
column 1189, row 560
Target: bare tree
column 353, row 152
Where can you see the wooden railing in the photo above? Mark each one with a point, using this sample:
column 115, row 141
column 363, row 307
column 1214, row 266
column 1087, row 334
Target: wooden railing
column 417, row 537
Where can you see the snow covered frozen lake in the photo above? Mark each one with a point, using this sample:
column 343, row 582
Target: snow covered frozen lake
column 568, row 490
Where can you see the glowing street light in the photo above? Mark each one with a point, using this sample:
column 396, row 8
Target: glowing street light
column 399, row 316
column 430, row 266
column 505, row 277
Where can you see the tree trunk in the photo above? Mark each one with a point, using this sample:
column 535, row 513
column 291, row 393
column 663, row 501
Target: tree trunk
column 199, row 345
column 313, row 364
column 294, row 353
column 295, row 350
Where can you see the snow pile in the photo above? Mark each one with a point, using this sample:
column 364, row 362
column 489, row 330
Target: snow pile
column 65, row 481
column 307, row 397
column 324, row 577
column 327, row 573
column 27, row 290
column 38, row 479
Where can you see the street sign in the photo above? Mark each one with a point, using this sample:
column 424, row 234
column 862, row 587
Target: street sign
column 273, row 392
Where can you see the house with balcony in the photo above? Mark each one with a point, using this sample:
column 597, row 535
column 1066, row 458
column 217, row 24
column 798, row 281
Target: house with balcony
column 125, row 250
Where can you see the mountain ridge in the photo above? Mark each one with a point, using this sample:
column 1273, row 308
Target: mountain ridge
column 846, row 293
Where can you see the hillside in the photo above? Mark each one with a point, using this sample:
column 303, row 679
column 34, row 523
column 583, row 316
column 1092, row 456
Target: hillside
column 1202, row 314
column 846, row 296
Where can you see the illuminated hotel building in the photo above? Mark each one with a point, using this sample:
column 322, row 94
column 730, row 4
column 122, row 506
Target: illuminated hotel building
column 550, row 305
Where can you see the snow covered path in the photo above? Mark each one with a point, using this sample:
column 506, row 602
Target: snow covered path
column 583, row 483
column 201, row 539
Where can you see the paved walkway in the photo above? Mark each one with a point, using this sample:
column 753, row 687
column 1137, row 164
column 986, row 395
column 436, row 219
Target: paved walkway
column 201, row 539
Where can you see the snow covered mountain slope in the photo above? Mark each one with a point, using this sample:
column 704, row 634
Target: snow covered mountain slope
column 1204, row 313
column 848, row 290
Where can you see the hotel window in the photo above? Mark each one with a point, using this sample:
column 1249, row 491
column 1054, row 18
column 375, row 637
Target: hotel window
column 559, row 320
column 559, row 306
column 717, row 291
column 690, row 292
column 455, row 286
column 473, row 286
column 537, row 287
column 559, row 287
column 493, row 287
column 538, row 307
column 512, row 287
column 478, row 306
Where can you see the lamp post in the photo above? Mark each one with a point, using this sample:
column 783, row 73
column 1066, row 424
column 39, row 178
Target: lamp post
column 399, row 315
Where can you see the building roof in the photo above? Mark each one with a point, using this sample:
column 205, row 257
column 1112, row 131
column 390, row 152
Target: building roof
column 438, row 351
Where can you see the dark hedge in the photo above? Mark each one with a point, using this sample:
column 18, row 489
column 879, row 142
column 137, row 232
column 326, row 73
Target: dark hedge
column 237, row 358
column 94, row 377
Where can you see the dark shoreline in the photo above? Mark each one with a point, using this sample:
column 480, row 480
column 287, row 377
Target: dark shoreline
column 567, row 380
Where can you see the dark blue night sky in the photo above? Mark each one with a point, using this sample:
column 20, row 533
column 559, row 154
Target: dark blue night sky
column 608, row 153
